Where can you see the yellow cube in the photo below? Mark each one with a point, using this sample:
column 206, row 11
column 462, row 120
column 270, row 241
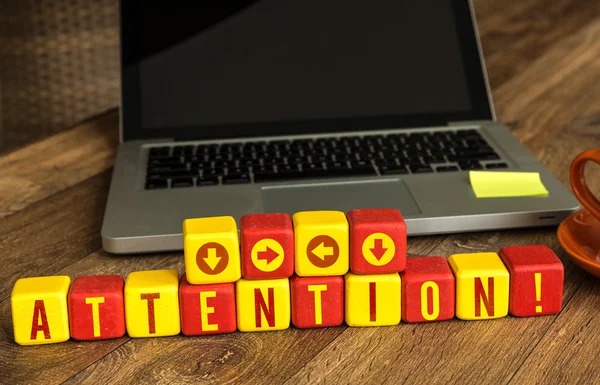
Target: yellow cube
column 152, row 303
column 372, row 300
column 263, row 304
column 482, row 286
column 39, row 310
column 211, row 249
column 321, row 242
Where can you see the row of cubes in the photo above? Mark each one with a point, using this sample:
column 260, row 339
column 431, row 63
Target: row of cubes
column 309, row 244
column 522, row 280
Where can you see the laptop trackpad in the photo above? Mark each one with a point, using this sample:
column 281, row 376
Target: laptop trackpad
column 341, row 196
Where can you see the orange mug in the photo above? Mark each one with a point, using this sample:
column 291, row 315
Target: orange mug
column 579, row 185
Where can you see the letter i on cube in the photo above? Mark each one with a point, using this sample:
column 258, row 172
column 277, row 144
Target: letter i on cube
column 151, row 303
column 536, row 280
column 96, row 308
column 317, row 301
column 206, row 309
column 427, row 290
column 39, row 310
column 372, row 300
column 482, row 286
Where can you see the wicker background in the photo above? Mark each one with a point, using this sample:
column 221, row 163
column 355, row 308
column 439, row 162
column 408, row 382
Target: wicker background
column 59, row 64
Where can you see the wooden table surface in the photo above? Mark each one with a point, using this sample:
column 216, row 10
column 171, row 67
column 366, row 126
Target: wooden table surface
column 543, row 58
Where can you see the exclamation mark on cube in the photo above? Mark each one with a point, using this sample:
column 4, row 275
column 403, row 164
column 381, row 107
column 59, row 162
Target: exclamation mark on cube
column 538, row 291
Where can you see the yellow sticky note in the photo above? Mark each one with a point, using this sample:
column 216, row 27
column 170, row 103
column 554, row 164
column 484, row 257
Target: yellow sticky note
column 499, row 184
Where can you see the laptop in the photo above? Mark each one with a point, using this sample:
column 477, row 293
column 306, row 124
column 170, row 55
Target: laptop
column 233, row 108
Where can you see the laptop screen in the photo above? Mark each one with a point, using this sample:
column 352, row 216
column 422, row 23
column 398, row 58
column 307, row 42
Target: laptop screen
column 280, row 67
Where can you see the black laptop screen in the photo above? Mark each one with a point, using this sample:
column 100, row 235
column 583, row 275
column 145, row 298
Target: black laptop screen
column 206, row 69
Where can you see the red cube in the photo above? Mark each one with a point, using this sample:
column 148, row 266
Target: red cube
column 317, row 301
column 267, row 243
column 536, row 280
column 96, row 308
column 427, row 290
column 377, row 241
column 206, row 309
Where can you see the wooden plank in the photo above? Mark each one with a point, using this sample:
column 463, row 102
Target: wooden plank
column 56, row 163
column 259, row 358
column 53, row 234
column 568, row 353
column 517, row 34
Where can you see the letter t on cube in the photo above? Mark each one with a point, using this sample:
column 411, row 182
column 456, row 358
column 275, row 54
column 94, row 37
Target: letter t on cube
column 536, row 280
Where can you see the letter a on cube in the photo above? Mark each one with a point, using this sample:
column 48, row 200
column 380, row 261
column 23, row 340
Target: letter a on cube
column 321, row 243
column 377, row 241
column 206, row 309
column 39, row 310
column 211, row 250
column 96, row 307
column 427, row 290
column 536, row 280
column 372, row 300
column 317, row 301
column 263, row 304
column 151, row 303
column 482, row 285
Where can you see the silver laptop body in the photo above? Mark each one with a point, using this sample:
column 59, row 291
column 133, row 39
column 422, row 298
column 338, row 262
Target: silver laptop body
column 355, row 168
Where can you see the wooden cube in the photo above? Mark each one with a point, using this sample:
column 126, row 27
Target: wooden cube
column 372, row 300
column 263, row 304
column 206, row 309
column 96, row 307
column 152, row 304
column 321, row 243
column 377, row 241
column 211, row 250
column 427, row 290
column 536, row 280
column 267, row 243
column 317, row 301
column 482, row 283
column 39, row 310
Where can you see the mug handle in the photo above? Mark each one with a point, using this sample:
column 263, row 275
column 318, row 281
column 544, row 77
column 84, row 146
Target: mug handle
column 579, row 185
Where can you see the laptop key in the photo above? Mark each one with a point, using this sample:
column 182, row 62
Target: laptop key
column 392, row 169
column 446, row 168
column 420, row 168
column 182, row 182
column 173, row 174
column 236, row 178
column 470, row 166
column 207, row 181
column 491, row 166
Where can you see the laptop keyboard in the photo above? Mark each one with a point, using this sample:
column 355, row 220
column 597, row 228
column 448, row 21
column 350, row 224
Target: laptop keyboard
column 280, row 160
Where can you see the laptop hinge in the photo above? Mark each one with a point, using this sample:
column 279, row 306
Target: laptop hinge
column 467, row 123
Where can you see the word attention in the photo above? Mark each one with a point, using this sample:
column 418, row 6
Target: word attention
column 315, row 269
